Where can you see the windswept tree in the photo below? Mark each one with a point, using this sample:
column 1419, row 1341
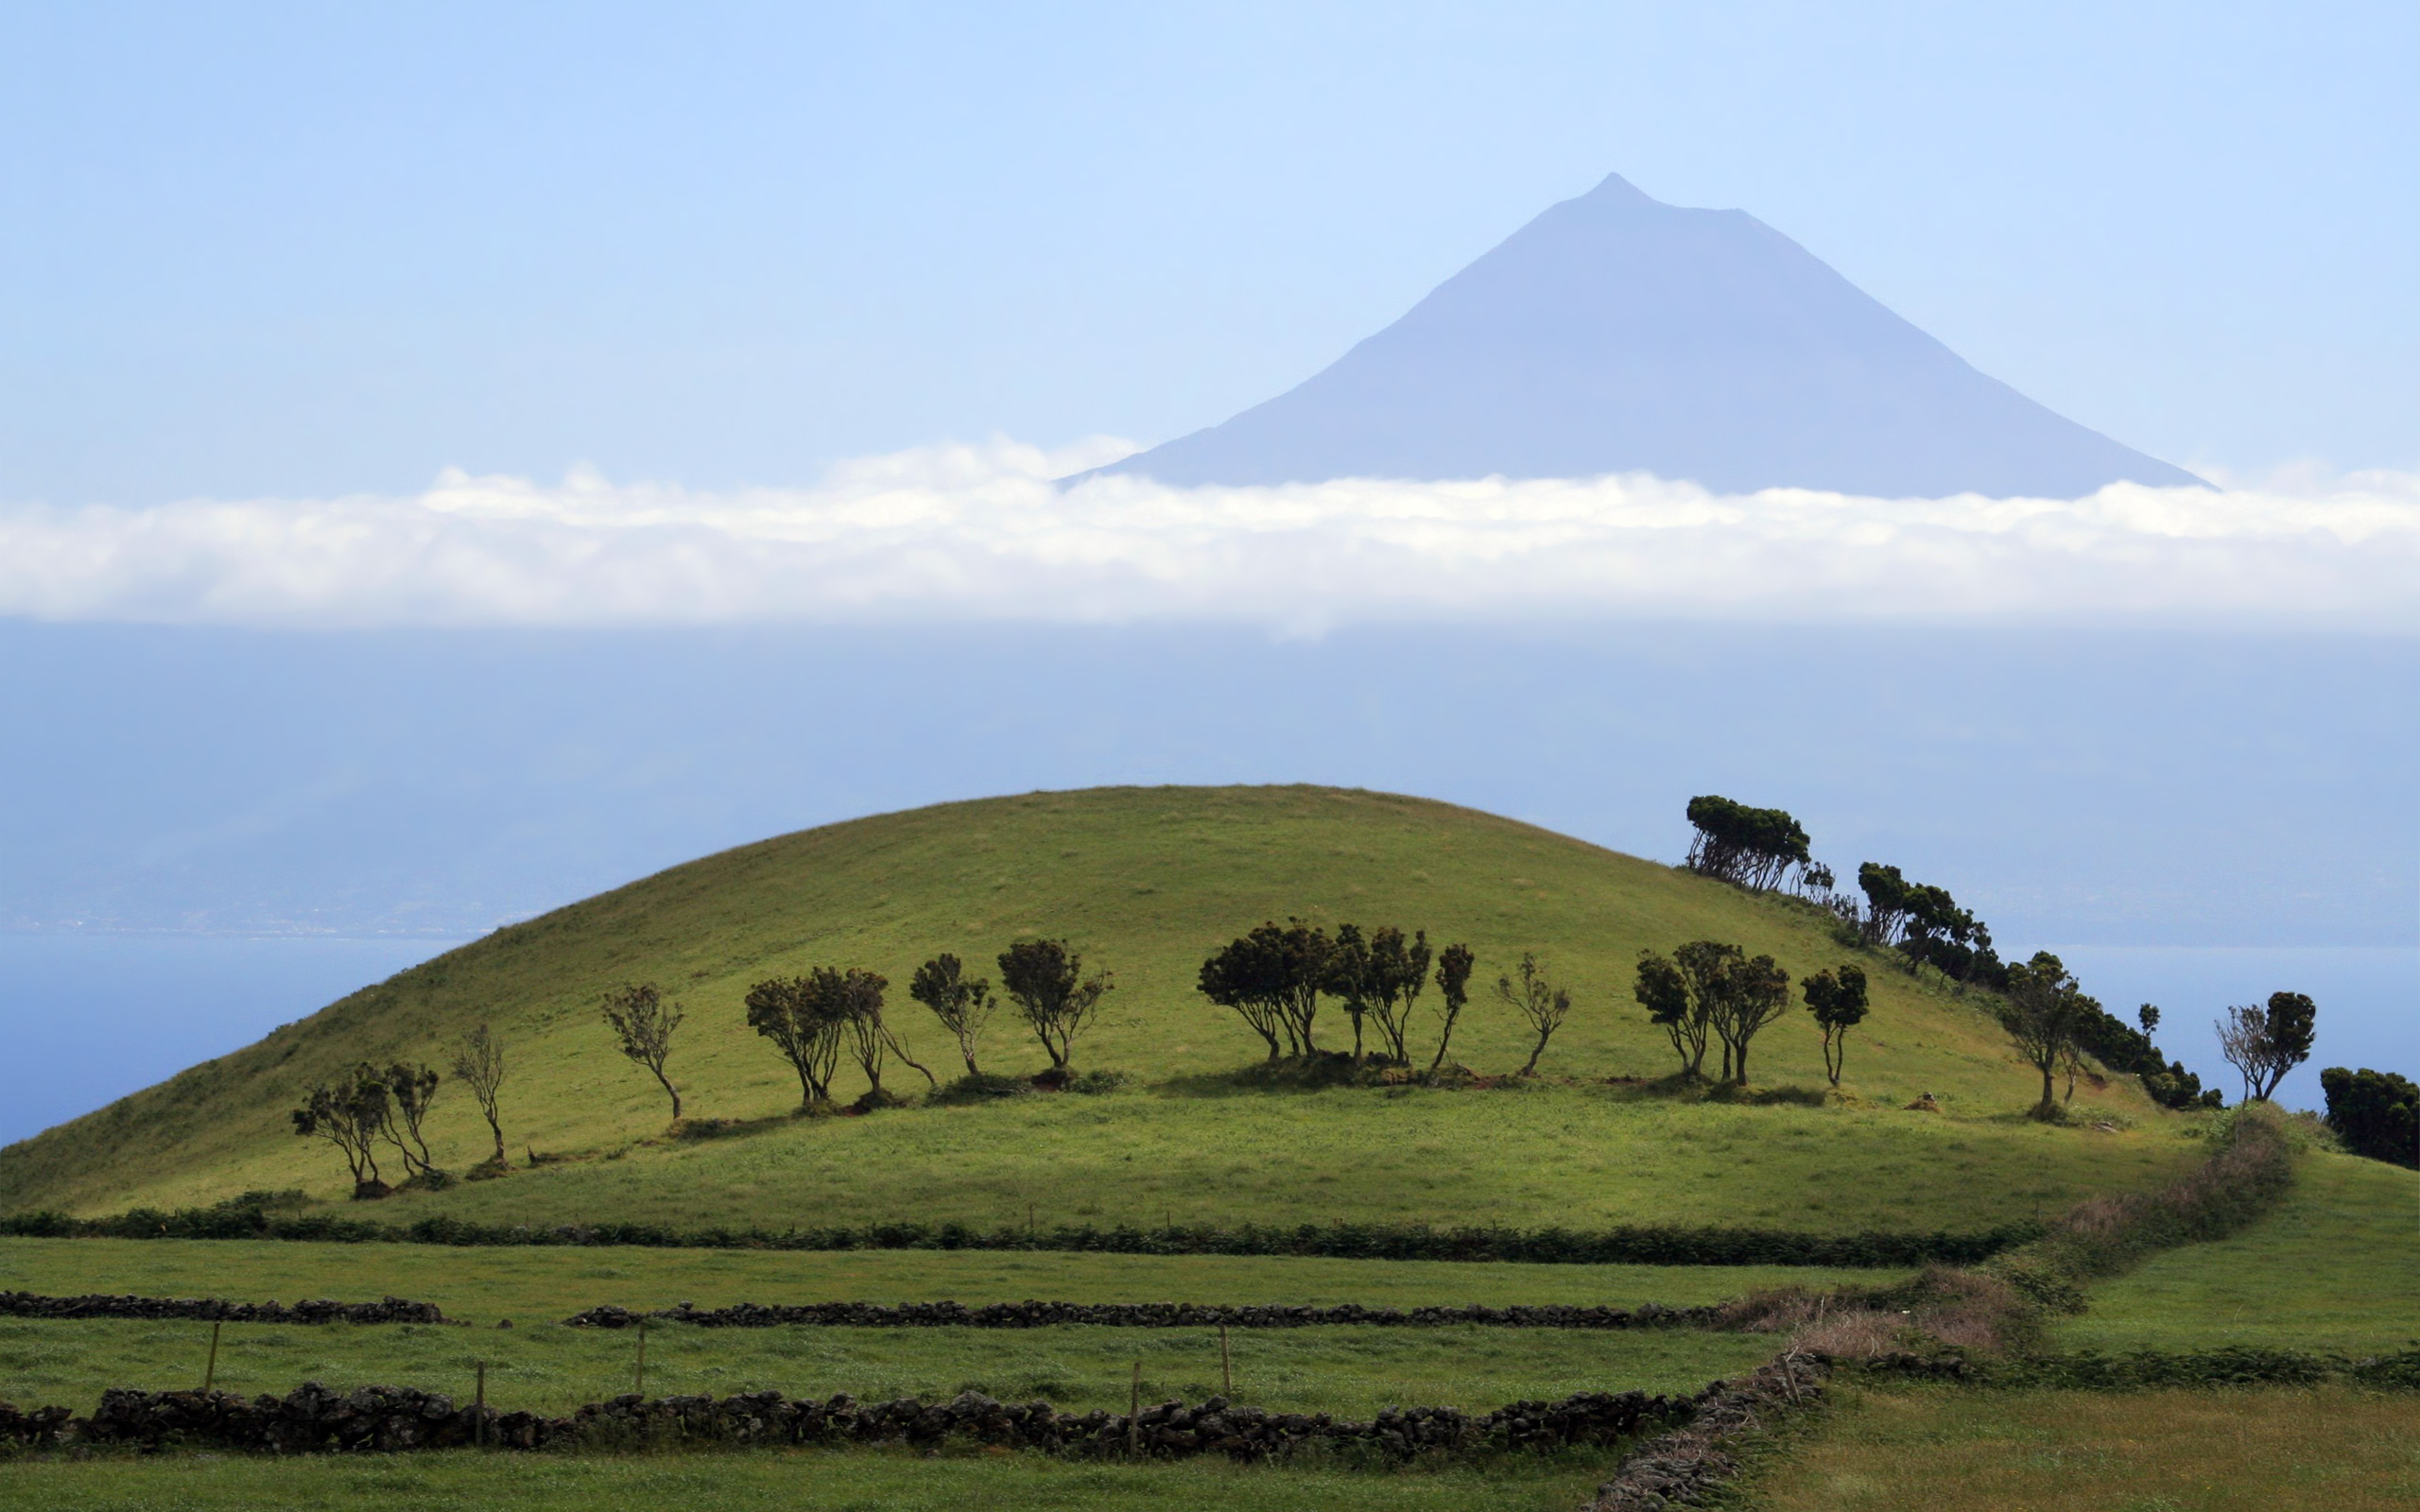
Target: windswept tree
column 1539, row 1003
column 1663, row 992
column 2148, row 1016
column 1747, row 846
column 1927, row 927
column 1837, row 999
column 643, row 1025
column 410, row 1092
column 2264, row 1044
column 2044, row 1010
column 853, row 999
column 964, row 1004
column 1045, row 980
column 1272, row 977
column 478, row 1064
column 1889, row 897
column 1454, row 964
column 1707, row 966
column 1398, row 972
column 2377, row 1113
column 350, row 1113
column 1348, row 978
column 1756, row 992
column 792, row 1013
column 1242, row 976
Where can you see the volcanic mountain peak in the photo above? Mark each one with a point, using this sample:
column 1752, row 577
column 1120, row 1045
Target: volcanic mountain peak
column 1616, row 334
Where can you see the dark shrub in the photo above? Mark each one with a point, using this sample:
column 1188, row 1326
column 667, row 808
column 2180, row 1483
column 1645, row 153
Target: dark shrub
column 2375, row 1113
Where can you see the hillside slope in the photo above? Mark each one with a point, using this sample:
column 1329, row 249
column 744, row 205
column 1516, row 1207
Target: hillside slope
column 1142, row 880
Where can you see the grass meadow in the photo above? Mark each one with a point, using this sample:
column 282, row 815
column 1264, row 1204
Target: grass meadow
column 2336, row 1266
column 529, row 1283
column 1571, row 1156
column 551, row 1368
column 1946, row 1450
column 785, row 1481
column 1144, row 881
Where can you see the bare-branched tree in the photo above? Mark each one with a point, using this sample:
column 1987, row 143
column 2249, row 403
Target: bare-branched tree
column 2263, row 1044
column 1539, row 1001
column 478, row 1064
column 410, row 1090
column 643, row 1025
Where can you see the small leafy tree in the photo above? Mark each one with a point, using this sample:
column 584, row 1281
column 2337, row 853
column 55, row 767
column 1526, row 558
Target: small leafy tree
column 853, row 998
column 350, row 1114
column 410, row 1090
column 643, row 1025
column 1454, row 964
column 2148, row 1016
column 1709, row 967
column 1398, row 969
column 1539, row 1001
column 964, row 1004
column 1244, row 977
column 1837, row 999
column 1272, row 977
column 1045, row 980
column 478, row 1064
column 1350, row 979
column 1663, row 992
column 2264, row 1044
column 2043, row 1010
column 2377, row 1113
column 791, row 1013
column 1759, row 994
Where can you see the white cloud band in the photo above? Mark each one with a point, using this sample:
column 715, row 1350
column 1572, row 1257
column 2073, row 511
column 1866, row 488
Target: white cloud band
column 961, row 533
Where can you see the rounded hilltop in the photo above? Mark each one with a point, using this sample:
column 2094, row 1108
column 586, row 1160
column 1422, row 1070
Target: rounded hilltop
column 1144, row 882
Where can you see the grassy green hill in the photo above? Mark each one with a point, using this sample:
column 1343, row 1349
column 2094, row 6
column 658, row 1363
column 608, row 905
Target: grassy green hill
column 1142, row 881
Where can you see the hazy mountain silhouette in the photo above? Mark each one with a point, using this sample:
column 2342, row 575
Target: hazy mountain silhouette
column 1616, row 334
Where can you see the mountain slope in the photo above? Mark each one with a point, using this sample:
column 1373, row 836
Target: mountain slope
column 1144, row 881
column 1615, row 333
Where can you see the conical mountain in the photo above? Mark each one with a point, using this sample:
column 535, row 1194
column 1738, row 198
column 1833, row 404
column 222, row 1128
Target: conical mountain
column 1618, row 334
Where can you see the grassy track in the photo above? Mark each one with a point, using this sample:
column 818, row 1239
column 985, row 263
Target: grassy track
column 1144, row 881
column 1953, row 1451
column 1577, row 1157
column 781, row 1481
column 2336, row 1266
column 529, row 1284
column 1350, row 1371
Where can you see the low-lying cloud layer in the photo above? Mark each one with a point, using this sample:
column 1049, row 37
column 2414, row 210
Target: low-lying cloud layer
column 961, row 533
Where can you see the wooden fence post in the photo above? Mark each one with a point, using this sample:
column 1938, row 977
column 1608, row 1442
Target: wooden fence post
column 209, row 1370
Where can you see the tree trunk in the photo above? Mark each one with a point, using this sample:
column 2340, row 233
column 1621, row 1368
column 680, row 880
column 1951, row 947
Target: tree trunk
column 969, row 1061
column 498, row 1129
column 673, row 1091
column 1531, row 1069
column 1743, row 1062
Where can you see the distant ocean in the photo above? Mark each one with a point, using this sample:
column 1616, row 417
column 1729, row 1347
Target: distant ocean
column 88, row 1018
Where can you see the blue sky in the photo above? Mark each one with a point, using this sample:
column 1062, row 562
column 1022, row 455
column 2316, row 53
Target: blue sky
column 322, row 254
column 314, row 250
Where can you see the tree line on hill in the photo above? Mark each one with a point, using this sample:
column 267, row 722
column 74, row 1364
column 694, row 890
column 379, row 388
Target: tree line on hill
column 1703, row 995
column 2049, row 1018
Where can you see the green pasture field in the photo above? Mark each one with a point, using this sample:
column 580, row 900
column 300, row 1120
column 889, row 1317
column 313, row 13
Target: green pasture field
column 1950, row 1450
column 2336, row 1266
column 784, row 1480
column 1350, row 1371
column 483, row 1285
column 1144, row 881
column 1575, row 1157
